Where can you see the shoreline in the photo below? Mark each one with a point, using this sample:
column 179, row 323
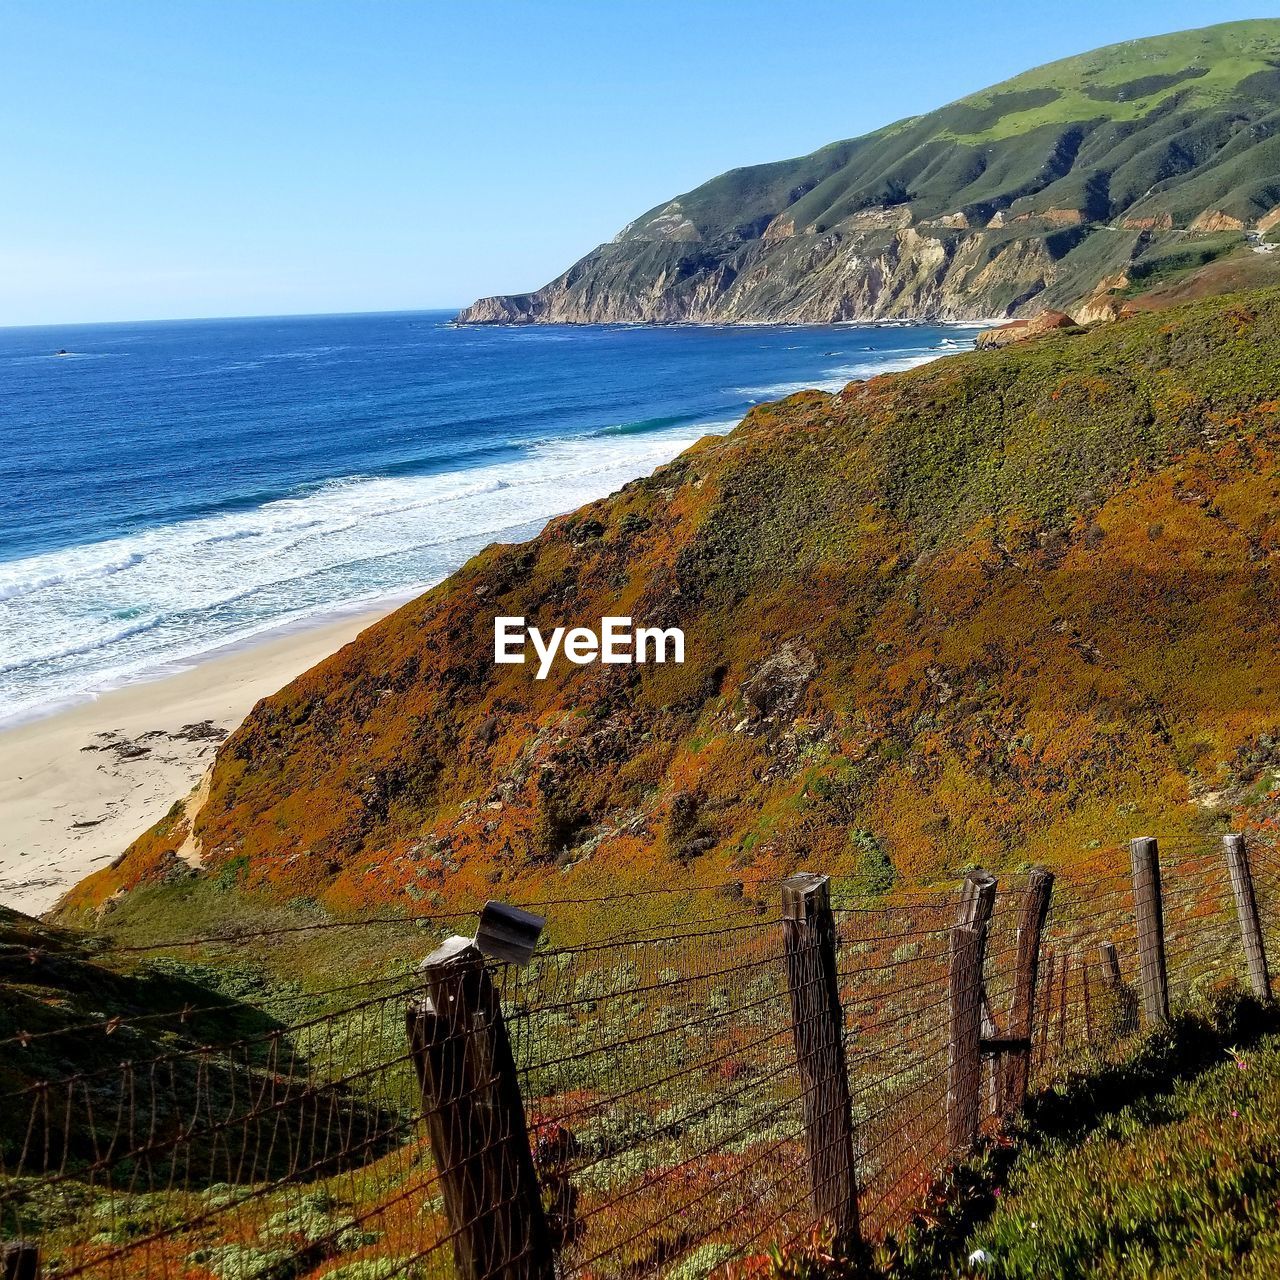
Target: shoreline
column 985, row 322
column 81, row 782
column 82, row 778
column 373, row 607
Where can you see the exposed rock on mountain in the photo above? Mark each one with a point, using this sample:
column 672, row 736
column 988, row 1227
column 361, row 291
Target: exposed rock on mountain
column 1021, row 330
column 1020, row 197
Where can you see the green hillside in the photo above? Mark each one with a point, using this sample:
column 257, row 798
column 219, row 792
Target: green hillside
column 1024, row 194
column 1096, row 131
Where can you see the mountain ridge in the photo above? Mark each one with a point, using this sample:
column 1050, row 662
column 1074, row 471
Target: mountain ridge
column 1028, row 194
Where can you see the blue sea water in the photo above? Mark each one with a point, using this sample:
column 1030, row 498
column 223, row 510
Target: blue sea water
column 171, row 488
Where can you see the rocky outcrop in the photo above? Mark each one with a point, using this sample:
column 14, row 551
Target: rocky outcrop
column 1054, row 217
column 1152, row 222
column 1105, row 303
column 1099, row 309
column 1216, row 220
column 775, row 690
column 1021, row 330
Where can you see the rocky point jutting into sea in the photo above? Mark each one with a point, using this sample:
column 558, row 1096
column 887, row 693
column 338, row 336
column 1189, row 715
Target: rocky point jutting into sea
column 1067, row 187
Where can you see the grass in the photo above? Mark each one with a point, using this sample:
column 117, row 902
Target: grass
column 1178, row 1183
column 1014, row 613
column 994, row 146
column 982, row 597
column 1124, row 81
column 1169, row 261
column 1162, row 1165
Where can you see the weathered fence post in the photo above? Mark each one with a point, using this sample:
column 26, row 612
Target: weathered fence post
column 1086, row 997
column 1031, row 918
column 817, row 1024
column 1149, row 911
column 1247, row 909
column 977, row 901
column 1064, row 981
column 1050, row 994
column 964, row 1048
column 964, row 1052
column 475, row 1120
column 1109, row 967
column 1113, row 1011
column 19, row 1261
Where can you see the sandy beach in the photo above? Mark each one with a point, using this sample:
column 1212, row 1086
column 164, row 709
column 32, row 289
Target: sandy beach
column 78, row 785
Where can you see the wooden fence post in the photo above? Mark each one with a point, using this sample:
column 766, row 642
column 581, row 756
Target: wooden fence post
column 1050, row 966
column 1113, row 1009
column 475, row 1120
column 977, row 901
column 1247, row 910
column 1109, row 967
column 1086, row 997
column 19, row 1261
column 1149, row 910
column 1064, row 980
column 1031, row 918
column 817, row 1024
column 964, row 1051
column 967, row 998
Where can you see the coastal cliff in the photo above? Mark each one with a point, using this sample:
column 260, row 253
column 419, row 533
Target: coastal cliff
column 1154, row 156
column 970, row 613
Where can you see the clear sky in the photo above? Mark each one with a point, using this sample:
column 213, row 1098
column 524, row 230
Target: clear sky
column 167, row 158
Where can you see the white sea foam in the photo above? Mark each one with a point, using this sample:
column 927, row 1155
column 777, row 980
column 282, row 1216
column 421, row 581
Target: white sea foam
column 838, row 378
column 79, row 620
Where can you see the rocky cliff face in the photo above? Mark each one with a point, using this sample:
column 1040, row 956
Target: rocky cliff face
column 1024, row 196
column 864, row 271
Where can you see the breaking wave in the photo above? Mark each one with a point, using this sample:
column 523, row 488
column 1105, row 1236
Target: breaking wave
column 78, row 619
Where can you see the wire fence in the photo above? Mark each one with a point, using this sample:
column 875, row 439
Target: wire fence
column 660, row 1101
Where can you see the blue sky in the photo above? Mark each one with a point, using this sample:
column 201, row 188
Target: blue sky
column 238, row 157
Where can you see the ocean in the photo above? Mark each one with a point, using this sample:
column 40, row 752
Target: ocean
column 172, row 488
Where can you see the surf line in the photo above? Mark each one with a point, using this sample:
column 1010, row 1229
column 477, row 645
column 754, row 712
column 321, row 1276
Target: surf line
column 616, row 641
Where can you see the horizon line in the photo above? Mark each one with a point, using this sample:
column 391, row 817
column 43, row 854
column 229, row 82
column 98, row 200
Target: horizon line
column 254, row 315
